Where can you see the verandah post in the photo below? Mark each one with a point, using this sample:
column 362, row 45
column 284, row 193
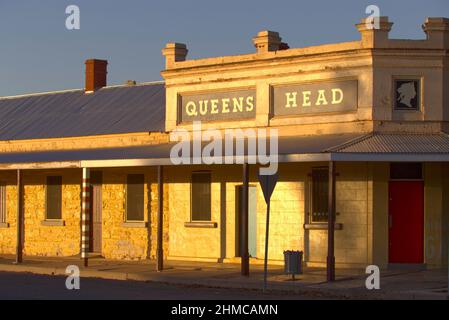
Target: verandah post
column 331, row 224
column 85, row 216
column 20, row 222
column 244, row 222
column 160, row 219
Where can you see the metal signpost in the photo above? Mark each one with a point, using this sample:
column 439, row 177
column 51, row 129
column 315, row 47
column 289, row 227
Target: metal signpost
column 268, row 183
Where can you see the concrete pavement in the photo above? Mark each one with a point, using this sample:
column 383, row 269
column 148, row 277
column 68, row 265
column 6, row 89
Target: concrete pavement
column 350, row 283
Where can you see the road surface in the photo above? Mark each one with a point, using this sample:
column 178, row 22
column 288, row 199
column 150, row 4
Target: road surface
column 41, row 287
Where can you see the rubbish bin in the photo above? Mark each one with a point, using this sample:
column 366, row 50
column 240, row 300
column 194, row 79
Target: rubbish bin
column 293, row 262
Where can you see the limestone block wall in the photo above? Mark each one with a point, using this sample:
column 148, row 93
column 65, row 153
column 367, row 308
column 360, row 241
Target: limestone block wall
column 118, row 240
column 289, row 207
column 42, row 240
column 380, row 173
column 286, row 213
column 435, row 214
column 192, row 242
column 8, row 235
column 121, row 241
column 353, row 207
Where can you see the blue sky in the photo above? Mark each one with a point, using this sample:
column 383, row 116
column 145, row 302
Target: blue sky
column 37, row 52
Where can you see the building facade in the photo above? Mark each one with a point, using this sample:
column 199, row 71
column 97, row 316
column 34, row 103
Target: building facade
column 376, row 110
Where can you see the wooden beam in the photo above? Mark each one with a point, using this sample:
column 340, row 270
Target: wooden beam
column 40, row 165
column 244, row 222
column 20, row 215
column 331, row 224
column 160, row 220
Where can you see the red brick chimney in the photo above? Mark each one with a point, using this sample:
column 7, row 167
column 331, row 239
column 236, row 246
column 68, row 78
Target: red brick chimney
column 96, row 71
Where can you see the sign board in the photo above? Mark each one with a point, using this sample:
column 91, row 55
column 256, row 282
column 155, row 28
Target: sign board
column 336, row 96
column 226, row 105
column 268, row 183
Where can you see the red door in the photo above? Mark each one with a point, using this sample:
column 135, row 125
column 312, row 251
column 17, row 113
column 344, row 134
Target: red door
column 406, row 222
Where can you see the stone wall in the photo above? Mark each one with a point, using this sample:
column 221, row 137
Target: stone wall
column 43, row 240
column 119, row 241
column 8, row 235
column 124, row 241
column 287, row 216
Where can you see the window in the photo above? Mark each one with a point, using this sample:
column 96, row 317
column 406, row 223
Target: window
column 407, row 94
column 320, row 195
column 54, row 198
column 135, row 197
column 201, row 196
column 2, row 203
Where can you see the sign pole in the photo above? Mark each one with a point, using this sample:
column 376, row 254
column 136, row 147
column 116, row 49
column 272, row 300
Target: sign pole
column 267, row 183
column 267, row 232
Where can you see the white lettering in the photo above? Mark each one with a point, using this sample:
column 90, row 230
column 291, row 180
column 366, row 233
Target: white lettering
column 250, row 103
column 306, row 99
column 291, row 99
column 337, row 92
column 238, row 104
column 321, row 100
column 191, row 109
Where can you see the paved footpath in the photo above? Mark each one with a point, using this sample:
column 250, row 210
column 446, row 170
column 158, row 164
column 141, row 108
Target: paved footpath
column 350, row 284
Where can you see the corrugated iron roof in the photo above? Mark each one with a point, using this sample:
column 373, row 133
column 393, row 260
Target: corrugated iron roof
column 120, row 153
column 110, row 110
column 396, row 143
column 287, row 145
column 347, row 147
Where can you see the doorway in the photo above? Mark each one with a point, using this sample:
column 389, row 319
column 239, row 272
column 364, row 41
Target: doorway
column 406, row 222
column 96, row 221
column 252, row 221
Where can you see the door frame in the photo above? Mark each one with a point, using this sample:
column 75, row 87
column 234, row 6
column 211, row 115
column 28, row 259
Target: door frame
column 423, row 222
column 238, row 187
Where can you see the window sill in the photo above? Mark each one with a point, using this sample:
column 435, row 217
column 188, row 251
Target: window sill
column 4, row 225
column 321, row 226
column 200, row 224
column 53, row 223
column 134, row 224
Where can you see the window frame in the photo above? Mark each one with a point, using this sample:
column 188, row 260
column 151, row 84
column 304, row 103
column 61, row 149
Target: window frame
column 419, row 107
column 47, row 201
column 126, row 220
column 204, row 172
column 311, row 205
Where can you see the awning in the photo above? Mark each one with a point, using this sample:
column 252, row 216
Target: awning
column 337, row 147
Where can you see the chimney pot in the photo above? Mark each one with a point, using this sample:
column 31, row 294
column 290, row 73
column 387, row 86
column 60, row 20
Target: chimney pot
column 96, row 74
